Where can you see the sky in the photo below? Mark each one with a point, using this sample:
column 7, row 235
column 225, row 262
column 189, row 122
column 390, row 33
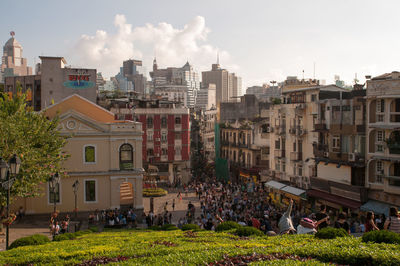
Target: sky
column 259, row 40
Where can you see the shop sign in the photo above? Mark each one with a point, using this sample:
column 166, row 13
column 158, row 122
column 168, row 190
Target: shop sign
column 79, row 82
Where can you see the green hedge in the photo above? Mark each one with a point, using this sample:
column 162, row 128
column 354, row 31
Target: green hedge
column 226, row 226
column 192, row 227
column 32, row 240
column 248, row 231
column 330, row 233
column 382, row 236
column 154, row 192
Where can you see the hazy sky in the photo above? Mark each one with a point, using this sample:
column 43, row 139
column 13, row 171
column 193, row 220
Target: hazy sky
column 259, row 40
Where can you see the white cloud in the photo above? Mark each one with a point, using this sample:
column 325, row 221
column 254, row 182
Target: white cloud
column 172, row 46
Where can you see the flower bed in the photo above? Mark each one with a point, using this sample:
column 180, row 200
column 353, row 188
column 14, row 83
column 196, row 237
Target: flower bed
column 154, row 192
column 146, row 247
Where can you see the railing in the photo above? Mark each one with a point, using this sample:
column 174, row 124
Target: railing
column 320, row 127
column 296, row 156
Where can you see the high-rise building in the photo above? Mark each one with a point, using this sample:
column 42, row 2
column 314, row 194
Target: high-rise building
column 131, row 76
column 185, row 76
column 12, row 62
column 228, row 85
column 206, row 98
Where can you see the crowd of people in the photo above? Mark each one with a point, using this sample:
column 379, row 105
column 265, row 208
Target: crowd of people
column 231, row 202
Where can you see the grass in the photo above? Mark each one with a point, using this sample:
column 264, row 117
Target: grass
column 144, row 247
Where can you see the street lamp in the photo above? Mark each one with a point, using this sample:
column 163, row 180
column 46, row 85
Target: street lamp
column 75, row 187
column 12, row 168
column 53, row 182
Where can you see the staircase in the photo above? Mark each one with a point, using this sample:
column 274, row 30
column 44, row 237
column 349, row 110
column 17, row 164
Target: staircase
column 126, row 195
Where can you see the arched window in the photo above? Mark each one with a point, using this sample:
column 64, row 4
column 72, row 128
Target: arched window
column 89, row 154
column 126, row 157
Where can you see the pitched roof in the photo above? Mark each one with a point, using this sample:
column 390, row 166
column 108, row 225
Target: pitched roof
column 83, row 106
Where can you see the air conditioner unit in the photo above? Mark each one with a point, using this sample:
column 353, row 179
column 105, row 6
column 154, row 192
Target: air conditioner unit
column 268, row 129
column 352, row 157
column 326, row 154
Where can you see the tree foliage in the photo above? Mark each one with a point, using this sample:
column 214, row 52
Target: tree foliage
column 35, row 139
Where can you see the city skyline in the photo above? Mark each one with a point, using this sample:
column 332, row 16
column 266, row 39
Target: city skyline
column 258, row 41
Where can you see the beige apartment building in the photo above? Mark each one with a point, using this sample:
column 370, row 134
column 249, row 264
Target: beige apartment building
column 105, row 158
column 383, row 140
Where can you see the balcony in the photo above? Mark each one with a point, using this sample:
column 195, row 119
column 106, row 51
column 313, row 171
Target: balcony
column 300, row 131
column 279, row 153
column 281, row 130
column 320, row 150
column 320, row 127
column 292, row 130
column 296, row 156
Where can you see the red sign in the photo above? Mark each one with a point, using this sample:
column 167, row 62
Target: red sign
column 79, row 77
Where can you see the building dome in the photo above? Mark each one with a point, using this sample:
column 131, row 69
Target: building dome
column 12, row 42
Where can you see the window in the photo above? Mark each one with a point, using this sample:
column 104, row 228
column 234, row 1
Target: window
column 164, row 121
column 164, row 136
column 313, row 97
column 150, row 122
column 380, row 136
column 164, row 151
column 380, row 110
column 89, row 154
column 300, row 170
column 90, row 191
column 283, row 166
column 379, row 172
column 54, row 197
column 345, row 144
column 178, row 151
column 150, row 136
column 150, row 152
column 126, row 156
column 336, row 142
column 178, row 136
column 177, row 120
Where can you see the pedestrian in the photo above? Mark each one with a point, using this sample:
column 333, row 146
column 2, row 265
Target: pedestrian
column 322, row 215
column 173, row 204
column 342, row 223
column 369, row 223
column 392, row 223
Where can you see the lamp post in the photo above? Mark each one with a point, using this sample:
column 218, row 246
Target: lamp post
column 53, row 182
column 12, row 168
column 75, row 187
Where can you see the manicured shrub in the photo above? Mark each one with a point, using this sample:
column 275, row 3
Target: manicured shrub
column 168, row 227
column 330, row 233
column 382, row 236
column 79, row 233
column 94, row 229
column 192, row 227
column 32, row 240
column 248, row 231
column 69, row 235
column 61, row 237
column 154, row 228
column 154, row 192
column 228, row 225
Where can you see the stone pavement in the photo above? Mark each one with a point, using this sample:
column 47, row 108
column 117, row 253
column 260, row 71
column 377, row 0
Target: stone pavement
column 180, row 205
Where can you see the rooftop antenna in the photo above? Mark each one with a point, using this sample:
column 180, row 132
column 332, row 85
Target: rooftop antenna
column 303, row 74
column 314, row 71
column 355, row 79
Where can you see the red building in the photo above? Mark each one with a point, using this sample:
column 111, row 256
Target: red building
column 166, row 136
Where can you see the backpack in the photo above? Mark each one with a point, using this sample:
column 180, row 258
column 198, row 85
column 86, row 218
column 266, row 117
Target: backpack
column 308, row 223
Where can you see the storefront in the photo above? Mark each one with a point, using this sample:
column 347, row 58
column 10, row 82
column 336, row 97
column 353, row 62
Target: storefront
column 319, row 198
column 376, row 206
column 282, row 193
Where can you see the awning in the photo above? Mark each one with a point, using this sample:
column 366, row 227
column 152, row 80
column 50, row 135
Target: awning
column 348, row 203
column 385, row 158
column 274, row 184
column 293, row 190
column 376, row 207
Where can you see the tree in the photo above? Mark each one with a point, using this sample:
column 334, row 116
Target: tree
column 35, row 139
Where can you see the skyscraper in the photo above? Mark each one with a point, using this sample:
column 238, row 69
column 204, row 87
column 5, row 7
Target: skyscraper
column 12, row 62
column 185, row 76
column 131, row 76
column 228, row 85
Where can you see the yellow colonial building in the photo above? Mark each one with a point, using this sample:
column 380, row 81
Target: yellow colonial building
column 105, row 158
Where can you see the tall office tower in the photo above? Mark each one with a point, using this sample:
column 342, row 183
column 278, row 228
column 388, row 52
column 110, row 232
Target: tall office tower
column 228, row 85
column 12, row 62
column 131, row 76
column 183, row 76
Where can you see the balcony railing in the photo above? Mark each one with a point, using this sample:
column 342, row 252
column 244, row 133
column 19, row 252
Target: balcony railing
column 279, row 153
column 296, row 156
column 394, row 148
column 320, row 127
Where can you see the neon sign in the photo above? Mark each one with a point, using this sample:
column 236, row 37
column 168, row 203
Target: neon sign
column 78, row 82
